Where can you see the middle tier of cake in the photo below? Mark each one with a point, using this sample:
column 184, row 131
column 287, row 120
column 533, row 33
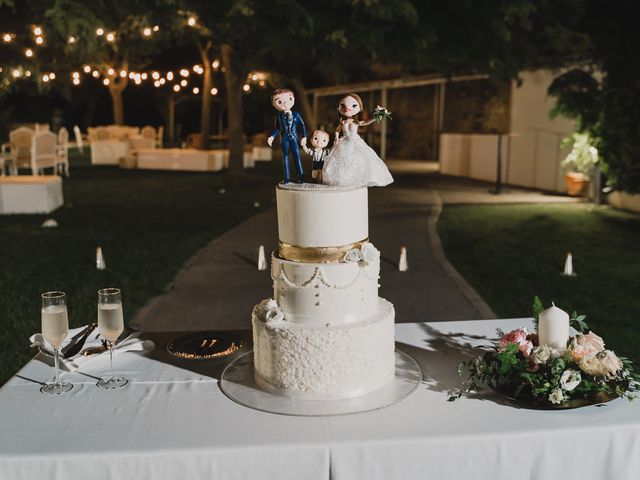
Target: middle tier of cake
column 326, row 293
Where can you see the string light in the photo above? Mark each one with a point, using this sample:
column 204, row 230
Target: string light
column 246, row 87
column 27, row 73
column 52, row 76
column 215, row 64
column 214, row 91
column 100, row 32
column 156, row 28
column 16, row 73
column 191, row 21
column 76, row 81
column 28, row 53
column 37, row 31
column 137, row 80
column 75, row 75
column 45, row 78
column 111, row 72
column 144, row 76
column 111, row 36
column 71, row 40
column 262, row 83
column 183, row 83
column 123, row 73
column 254, row 77
column 198, row 69
column 184, row 72
column 7, row 37
column 146, row 32
column 105, row 81
column 169, row 76
column 157, row 83
column 155, row 75
column 95, row 74
column 86, row 69
column 196, row 90
column 176, row 88
column 39, row 40
column 162, row 81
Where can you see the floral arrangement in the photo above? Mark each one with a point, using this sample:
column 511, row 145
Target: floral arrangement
column 583, row 373
column 380, row 113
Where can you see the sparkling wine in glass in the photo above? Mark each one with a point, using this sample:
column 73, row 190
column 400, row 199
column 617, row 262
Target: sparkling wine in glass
column 55, row 328
column 111, row 325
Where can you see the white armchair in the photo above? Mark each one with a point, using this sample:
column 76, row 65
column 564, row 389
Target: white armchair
column 43, row 152
column 62, row 162
column 18, row 151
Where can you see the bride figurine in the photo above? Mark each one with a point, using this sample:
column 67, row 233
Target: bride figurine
column 351, row 162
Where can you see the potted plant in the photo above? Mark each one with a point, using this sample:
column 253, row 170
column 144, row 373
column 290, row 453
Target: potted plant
column 580, row 162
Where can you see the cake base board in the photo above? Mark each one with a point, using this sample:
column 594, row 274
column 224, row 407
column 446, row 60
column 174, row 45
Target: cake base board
column 239, row 384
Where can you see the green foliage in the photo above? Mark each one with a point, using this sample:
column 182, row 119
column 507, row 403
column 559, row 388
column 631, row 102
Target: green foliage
column 537, row 309
column 583, row 156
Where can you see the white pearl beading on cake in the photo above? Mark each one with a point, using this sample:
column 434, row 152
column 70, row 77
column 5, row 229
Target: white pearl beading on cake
column 318, row 275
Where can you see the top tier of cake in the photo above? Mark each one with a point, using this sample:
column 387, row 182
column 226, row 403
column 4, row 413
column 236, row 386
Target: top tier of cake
column 319, row 223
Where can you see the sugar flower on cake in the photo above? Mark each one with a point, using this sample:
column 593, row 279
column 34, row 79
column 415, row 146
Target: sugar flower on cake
column 367, row 254
column 519, row 337
column 271, row 312
column 370, row 254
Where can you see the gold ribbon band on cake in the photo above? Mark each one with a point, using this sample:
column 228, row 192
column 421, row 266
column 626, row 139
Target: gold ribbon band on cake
column 295, row 253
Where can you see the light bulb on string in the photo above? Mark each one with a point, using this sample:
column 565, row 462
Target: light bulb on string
column 155, row 75
column 27, row 73
column 76, row 81
column 184, row 72
column 144, row 76
column 106, row 81
column 214, row 91
column 215, row 64
column 39, row 40
column 28, row 53
column 7, row 37
column 111, row 71
column 100, row 32
column 71, row 39
column 75, row 75
column 86, row 69
column 183, row 83
column 157, row 83
column 162, row 81
column 132, row 75
column 196, row 90
column 146, row 32
column 111, row 36
column 95, row 74
column 191, row 21
column 156, row 28
column 123, row 73
column 45, row 78
column 52, row 76
column 169, row 76
column 246, row 87
column 16, row 73
column 37, row 31
column 176, row 88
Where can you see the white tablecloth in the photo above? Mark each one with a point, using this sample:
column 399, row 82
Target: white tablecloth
column 170, row 422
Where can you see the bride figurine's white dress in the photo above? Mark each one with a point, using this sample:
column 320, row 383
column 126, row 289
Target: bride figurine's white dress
column 353, row 163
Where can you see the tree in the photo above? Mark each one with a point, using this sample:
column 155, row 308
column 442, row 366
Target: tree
column 112, row 37
column 604, row 95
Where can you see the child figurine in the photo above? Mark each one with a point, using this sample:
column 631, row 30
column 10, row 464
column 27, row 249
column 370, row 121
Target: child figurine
column 319, row 140
column 351, row 162
column 286, row 124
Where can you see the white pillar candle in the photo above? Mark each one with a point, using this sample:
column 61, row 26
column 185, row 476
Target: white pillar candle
column 553, row 327
column 568, row 265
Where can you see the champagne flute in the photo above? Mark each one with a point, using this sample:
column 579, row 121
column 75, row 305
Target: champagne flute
column 55, row 328
column 111, row 325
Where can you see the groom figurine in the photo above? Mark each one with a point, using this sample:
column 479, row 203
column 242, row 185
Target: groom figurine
column 286, row 124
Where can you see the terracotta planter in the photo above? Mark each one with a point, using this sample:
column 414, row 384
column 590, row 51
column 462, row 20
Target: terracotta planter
column 576, row 183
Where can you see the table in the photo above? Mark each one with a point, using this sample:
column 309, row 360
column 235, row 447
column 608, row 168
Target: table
column 30, row 194
column 108, row 151
column 172, row 421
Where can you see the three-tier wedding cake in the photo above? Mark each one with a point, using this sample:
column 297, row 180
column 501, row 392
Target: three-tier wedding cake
column 325, row 334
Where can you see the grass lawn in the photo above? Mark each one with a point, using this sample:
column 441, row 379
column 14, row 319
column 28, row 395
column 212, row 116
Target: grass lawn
column 509, row 253
column 147, row 223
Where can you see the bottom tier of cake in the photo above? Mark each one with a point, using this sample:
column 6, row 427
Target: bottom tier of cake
column 320, row 361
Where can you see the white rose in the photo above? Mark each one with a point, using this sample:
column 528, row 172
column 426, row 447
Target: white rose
column 591, row 365
column 353, row 255
column 570, row 379
column 370, row 254
column 556, row 397
column 540, row 354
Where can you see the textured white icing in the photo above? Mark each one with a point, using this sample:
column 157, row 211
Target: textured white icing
column 341, row 361
column 325, row 293
column 321, row 216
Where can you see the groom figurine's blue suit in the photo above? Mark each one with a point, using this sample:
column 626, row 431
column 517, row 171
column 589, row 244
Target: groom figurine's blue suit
column 287, row 123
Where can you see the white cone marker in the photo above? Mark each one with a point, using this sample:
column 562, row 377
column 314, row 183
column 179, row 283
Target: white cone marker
column 403, row 266
column 262, row 260
column 568, row 266
column 100, row 263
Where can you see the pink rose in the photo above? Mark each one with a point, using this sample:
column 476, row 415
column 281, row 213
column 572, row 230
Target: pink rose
column 591, row 365
column 591, row 341
column 611, row 362
column 519, row 337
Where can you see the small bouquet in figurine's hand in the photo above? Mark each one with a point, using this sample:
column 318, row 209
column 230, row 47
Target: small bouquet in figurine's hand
column 380, row 113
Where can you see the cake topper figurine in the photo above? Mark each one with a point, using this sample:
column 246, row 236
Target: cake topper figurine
column 287, row 123
column 351, row 162
column 319, row 141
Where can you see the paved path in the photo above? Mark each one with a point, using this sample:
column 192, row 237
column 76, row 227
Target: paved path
column 218, row 287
